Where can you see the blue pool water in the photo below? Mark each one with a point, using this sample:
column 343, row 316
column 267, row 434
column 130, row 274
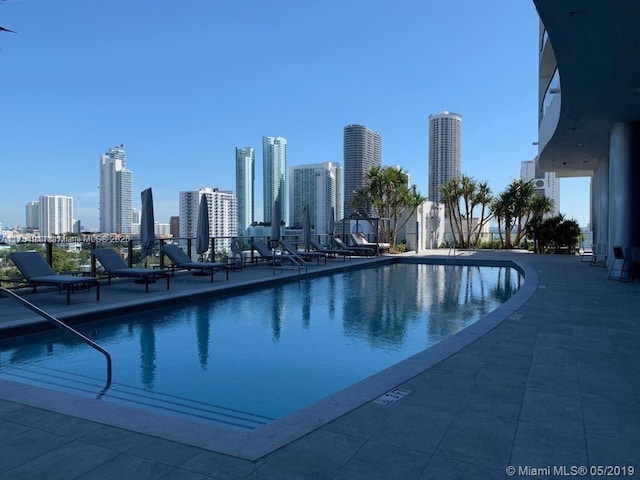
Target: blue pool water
column 246, row 359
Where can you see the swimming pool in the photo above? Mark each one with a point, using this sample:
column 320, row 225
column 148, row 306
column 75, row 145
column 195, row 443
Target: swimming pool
column 243, row 360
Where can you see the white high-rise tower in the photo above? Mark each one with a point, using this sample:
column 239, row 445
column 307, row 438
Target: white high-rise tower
column 56, row 215
column 223, row 214
column 318, row 185
column 115, row 192
column 445, row 130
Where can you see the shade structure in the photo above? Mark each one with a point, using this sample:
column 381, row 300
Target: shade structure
column 147, row 233
column 276, row 219
column 202, row 227
column 332, row 222
column 306, row 228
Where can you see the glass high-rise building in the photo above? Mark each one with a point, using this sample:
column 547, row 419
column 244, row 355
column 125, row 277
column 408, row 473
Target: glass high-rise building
column 32, row 211
column 362, row 150
column 115, row 192
column 318, row 185
column 245, row 178
column 274, row 164
column 445, row 131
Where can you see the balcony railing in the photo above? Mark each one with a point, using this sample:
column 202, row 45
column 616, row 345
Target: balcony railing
column 553, row 89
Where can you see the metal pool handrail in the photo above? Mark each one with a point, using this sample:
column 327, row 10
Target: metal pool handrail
column 452, row 248
column 298, row 261
column 294, row 258
column 66, row 327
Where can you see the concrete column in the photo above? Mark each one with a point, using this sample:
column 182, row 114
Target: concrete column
column 600, row 192
column 624, row 186
column 593, row 204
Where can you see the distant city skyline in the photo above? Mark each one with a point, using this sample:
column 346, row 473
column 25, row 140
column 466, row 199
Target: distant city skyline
column 183, row 98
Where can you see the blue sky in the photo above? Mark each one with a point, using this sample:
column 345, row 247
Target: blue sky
column 182, row 84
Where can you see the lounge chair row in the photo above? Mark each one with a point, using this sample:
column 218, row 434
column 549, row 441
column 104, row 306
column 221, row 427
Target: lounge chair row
column 361, row 241
column 37, row 272
column 288, row 252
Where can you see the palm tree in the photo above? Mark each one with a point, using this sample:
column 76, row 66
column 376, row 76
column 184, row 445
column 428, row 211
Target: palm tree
column 540, row 207
column 514, row 209
column 502, row 210
column 468, row 193
column 387, row 191
column 483, row 197
column 462, row 196
column 523, row 194
column 451, row 194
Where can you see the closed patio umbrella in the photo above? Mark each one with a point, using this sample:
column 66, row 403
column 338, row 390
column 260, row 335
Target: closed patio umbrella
column 202, row 227
column 147, row 234
column 276, row 219
column 306, row 228
column 332, row 222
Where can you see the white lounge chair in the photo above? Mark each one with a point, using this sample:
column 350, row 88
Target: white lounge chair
column 355, row 249
column 362, row 241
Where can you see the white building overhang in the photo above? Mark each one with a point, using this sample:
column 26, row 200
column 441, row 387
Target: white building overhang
column 596, row 46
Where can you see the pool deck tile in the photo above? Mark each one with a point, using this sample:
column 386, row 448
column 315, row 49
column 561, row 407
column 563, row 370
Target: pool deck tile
column 551, row 380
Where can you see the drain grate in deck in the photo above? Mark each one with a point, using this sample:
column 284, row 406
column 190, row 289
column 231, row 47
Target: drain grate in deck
column 390, row 397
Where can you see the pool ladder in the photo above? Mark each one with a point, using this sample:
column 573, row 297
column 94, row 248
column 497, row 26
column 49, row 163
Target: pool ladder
column 295, row 259
column 66, row 327
column 451, row 253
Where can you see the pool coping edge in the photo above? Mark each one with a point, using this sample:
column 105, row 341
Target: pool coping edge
column 253, row 445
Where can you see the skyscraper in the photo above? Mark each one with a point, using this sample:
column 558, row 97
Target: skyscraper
column 33, row 215
column 545, row 183
column 56, row 215
column 274, row 164
column 318, row 185
column 245, row 178
column 223, row 214
column 444, row 151
column 362, row 150
column 115, row 191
